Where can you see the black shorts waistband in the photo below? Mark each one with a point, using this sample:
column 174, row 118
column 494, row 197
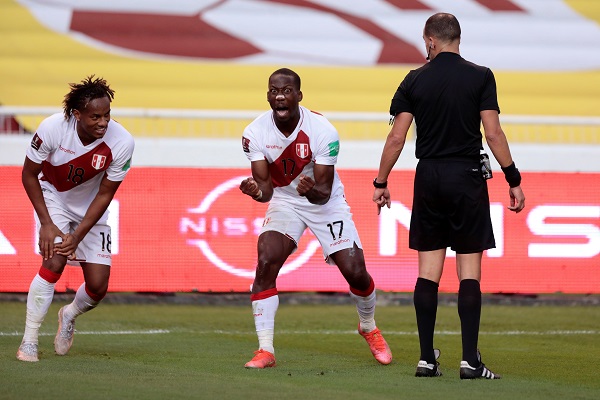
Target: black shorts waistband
column 474, row 158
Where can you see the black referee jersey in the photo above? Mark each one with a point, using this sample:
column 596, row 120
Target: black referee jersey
column 445, row 96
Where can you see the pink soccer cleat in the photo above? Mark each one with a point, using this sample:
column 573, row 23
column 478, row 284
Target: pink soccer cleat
column 261, row 359
column 379, row 347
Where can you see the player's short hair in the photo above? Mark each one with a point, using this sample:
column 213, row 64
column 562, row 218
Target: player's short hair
column 443, row 26
column 290, row 73
column 82, row 93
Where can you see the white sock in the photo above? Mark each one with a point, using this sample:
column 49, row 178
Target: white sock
column 264, row 311
column 265, row 340
column 365, row 306
column 39, row 299
column 81, row 303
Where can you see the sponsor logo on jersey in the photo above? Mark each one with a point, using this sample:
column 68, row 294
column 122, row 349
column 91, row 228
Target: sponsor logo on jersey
column 98, row 161
column 65, row 150
column 246, row 144
column 36, row 142
column 334, row 148
column 302, row 150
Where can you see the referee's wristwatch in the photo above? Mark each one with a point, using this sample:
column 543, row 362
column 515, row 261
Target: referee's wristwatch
column 379, row 185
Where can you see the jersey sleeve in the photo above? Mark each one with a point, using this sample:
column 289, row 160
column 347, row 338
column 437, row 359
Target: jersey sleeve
column 43, row 142
column 121, row 163
column 489, row 96
column 328, row 146
column 250, row 145
column 401, row 100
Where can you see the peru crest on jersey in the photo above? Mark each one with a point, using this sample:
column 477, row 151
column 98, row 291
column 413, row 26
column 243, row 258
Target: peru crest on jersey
column 98, row 161
column 302, row 150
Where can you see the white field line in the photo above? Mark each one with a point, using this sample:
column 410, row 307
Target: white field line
column 140, row 332
column 313, row 332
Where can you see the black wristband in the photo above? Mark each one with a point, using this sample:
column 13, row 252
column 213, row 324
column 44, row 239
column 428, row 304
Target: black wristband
column 512, row 175
column 379, row 185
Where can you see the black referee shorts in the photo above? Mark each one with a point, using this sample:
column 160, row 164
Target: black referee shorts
column 451, row 207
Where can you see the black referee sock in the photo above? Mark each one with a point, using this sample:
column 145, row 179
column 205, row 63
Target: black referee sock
column 425, row 299
column 469, row 310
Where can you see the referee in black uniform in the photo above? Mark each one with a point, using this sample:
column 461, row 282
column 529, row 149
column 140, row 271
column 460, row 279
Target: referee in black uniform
column 449, row 98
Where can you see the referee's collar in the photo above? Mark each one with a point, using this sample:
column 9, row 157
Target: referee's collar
column 446, row 55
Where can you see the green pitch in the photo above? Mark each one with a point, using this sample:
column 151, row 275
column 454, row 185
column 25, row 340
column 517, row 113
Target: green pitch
column 198, row 352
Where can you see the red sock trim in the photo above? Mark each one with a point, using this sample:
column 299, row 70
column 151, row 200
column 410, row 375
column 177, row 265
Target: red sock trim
column 364, row 293
column 93, row 296
column 48, row 276
column 264, row 294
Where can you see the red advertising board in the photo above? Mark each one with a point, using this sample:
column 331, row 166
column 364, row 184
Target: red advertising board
column 191, row 229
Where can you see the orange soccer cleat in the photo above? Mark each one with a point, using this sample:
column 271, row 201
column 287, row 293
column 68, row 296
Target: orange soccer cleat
column 261, row 359
column 379, row 347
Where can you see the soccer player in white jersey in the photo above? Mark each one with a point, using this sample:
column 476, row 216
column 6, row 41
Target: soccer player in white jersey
column 293, row 152
column 72, row 170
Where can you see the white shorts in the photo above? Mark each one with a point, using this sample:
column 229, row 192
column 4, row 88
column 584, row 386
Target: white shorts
column 94, row 247
column 332, row 225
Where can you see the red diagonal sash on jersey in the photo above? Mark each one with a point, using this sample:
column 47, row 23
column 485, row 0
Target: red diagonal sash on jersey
column 78, row 170
column 292, row 161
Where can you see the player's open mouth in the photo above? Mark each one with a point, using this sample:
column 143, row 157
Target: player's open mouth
column 282, row 112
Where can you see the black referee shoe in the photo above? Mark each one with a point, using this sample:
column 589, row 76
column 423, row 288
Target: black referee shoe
column 479, row 372
column 426, row 370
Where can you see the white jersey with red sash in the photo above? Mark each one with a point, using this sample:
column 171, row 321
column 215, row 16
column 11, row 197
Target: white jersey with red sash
column 71, row 171
column 314, row 141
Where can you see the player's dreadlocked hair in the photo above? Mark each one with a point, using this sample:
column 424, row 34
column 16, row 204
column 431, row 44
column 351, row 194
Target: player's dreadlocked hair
column 82, row 93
